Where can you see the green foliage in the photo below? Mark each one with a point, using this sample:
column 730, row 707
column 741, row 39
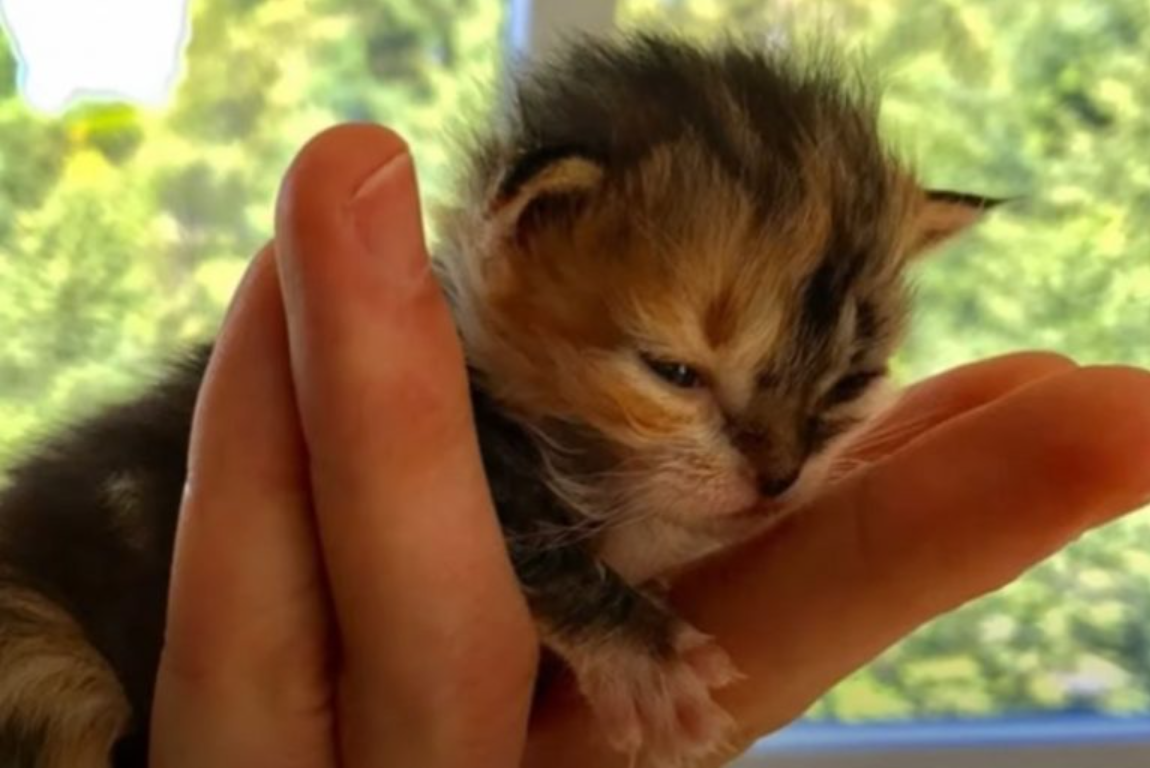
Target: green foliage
column 1046, row 102
column 123, row 232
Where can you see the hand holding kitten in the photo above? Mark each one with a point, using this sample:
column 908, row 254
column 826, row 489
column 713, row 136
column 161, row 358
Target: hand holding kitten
column 307, row 629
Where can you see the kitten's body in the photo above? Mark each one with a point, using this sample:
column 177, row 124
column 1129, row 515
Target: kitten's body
column 678, row 275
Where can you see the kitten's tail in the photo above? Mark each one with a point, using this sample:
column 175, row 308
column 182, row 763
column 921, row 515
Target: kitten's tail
column 60, row 703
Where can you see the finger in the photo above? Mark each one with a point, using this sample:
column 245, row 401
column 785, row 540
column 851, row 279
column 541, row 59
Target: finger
column 436, row 638
column 242, row 678
column 964, row 510
column 927, row 404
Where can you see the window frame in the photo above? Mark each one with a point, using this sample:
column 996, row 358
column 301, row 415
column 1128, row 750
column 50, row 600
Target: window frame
column 1043, row 741
column 1051, row 741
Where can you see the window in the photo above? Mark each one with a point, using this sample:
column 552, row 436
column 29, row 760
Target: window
column 123, row 230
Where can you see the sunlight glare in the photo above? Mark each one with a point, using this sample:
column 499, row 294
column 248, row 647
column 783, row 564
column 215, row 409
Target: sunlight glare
column 103, row 50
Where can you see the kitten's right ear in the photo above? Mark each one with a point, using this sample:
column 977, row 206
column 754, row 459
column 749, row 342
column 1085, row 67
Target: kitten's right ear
column 542, row 188
column 943, row 214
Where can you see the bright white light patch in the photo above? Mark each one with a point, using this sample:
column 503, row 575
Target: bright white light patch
column 107, row 50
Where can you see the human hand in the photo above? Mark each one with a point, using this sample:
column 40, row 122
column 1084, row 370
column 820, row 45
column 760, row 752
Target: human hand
column 341, row 595
column 977, row 475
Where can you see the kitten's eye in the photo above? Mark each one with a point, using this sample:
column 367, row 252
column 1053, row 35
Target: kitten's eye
column 679, row 374
column 852, row 385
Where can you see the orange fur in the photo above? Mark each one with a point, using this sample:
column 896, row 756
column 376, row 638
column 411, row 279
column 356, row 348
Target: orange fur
column 680, row 253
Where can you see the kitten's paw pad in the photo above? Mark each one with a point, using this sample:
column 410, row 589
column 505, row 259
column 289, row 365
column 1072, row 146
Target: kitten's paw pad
column 659, row 708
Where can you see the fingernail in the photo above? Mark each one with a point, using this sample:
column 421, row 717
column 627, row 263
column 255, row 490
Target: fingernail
column 386, row 217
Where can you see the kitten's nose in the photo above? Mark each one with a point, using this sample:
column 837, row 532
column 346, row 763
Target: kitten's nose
column 773, row 485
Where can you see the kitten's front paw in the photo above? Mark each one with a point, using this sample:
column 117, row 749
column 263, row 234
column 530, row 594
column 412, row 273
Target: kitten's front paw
column 655, row 707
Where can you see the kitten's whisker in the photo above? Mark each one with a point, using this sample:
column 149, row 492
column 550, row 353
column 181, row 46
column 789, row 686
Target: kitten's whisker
column 854, row 457
column 886, row 430
column 893, row 432
column 556, row 537
column 580, row 530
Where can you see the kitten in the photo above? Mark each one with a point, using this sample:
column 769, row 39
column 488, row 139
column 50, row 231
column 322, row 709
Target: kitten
column 678, row 273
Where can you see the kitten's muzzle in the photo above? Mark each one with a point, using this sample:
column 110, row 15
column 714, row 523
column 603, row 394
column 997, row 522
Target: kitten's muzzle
column 774, row 457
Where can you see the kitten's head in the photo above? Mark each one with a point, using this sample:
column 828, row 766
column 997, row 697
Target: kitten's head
column 685, row 269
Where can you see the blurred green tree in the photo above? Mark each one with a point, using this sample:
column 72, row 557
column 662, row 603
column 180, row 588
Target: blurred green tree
column 123, row 231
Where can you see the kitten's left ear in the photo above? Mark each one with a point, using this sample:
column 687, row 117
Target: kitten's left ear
column 542, row 187
column 943, row 214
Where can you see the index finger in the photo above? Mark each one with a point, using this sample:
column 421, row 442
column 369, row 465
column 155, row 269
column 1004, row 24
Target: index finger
column 966, row 509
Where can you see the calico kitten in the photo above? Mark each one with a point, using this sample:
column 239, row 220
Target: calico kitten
column 678, row 273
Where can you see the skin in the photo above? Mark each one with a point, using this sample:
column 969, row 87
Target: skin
column 341, row 595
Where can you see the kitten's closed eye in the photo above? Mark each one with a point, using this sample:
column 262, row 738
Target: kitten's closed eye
column 678, row 374
column 851, row 386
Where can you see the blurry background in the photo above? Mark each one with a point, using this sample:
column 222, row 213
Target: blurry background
column 123, row 230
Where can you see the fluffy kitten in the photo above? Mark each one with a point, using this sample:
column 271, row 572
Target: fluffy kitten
column 678, row 274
